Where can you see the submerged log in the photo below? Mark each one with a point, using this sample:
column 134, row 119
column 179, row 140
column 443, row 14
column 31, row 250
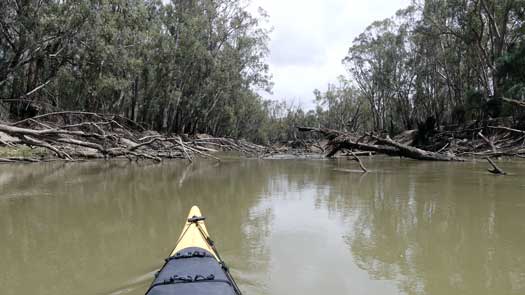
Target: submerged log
column 495, row 169
column 356, row 158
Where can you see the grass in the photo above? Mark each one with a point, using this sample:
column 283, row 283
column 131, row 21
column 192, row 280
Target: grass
column 21, row 151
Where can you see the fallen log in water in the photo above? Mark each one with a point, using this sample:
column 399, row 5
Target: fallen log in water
column 417, row 153
column 340, row 140
column 495, row 169
column 356, row 158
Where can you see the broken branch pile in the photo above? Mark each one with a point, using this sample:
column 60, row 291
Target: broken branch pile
column 479, row 139
column 491, row 138
column 338, row 141
column 79, row 135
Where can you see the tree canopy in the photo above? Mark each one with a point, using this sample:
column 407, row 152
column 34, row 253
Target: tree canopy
column 186, row 66
column 196, row 66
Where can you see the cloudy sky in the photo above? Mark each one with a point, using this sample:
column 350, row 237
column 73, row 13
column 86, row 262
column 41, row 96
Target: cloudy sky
column 311, row 37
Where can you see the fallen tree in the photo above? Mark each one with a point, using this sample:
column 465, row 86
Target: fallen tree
column 79, row 135
column 489, row 138
column 338, row 141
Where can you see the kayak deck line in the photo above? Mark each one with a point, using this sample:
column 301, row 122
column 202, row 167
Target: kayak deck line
column 194, row 233
column 194, row 260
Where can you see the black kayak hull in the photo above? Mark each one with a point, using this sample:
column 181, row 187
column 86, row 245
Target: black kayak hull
column 194, row 267
column 192, row 271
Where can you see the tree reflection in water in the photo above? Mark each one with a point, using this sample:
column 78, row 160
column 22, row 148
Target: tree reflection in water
column 441, row 229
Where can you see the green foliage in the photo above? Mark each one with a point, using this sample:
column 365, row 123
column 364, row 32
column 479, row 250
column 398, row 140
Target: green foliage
column 450, row 60
column 22, row 151
column 195, row 66
column 188, row 66
column 512, row 67
column 342, row 107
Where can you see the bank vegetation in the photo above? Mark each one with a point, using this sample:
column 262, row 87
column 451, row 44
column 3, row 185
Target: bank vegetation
column 145, row 79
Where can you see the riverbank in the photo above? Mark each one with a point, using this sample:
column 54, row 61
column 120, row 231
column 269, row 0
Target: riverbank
column 73, row 136
column 499, row 137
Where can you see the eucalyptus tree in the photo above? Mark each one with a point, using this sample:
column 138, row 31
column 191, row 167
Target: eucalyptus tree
column 36, row 41
column 467, row 40
column 341, row 107
column 380, row 65
column 448, row 60
column 184, row 66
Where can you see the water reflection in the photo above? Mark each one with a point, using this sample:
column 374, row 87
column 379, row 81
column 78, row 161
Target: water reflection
column 436, row 233
column 285, row 227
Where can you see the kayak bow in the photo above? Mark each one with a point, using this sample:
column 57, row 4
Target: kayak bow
column 194, row 266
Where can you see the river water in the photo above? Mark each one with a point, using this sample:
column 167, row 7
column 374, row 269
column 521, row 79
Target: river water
column 284, row 226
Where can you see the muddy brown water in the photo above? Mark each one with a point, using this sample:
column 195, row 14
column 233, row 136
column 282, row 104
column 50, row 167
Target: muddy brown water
column 284, row 226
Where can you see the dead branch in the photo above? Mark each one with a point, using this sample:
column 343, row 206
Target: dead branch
column 90, row 124
column 40, row 117
column 91, row 135
column 204, row 154
column 495, row 169
column 347, row 142
column 136, row 146
column 356, row 158
column 19, row 159
column 34, row 142
column 508, row 129
column 416, row 153
column 339, row 140
column 185, row 151
column 16, row 131
column 488, row 141
column 514, row 101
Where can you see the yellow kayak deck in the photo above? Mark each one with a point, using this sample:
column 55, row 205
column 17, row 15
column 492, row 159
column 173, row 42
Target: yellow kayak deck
column 194, row 234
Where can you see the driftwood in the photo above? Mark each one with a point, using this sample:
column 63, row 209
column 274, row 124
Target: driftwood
column 356, row 158
column 495, row 169
column 230, row 144
column 489, row 138
column 507, row 129
column 490, row 142
column 19, row 159
column 416, row 153
column 339, row 140
column 79, row 135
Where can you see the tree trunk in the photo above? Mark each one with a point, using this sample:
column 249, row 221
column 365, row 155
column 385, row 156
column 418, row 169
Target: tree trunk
column 339, row 140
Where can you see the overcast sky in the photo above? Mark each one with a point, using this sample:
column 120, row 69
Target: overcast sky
column 311, row 37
